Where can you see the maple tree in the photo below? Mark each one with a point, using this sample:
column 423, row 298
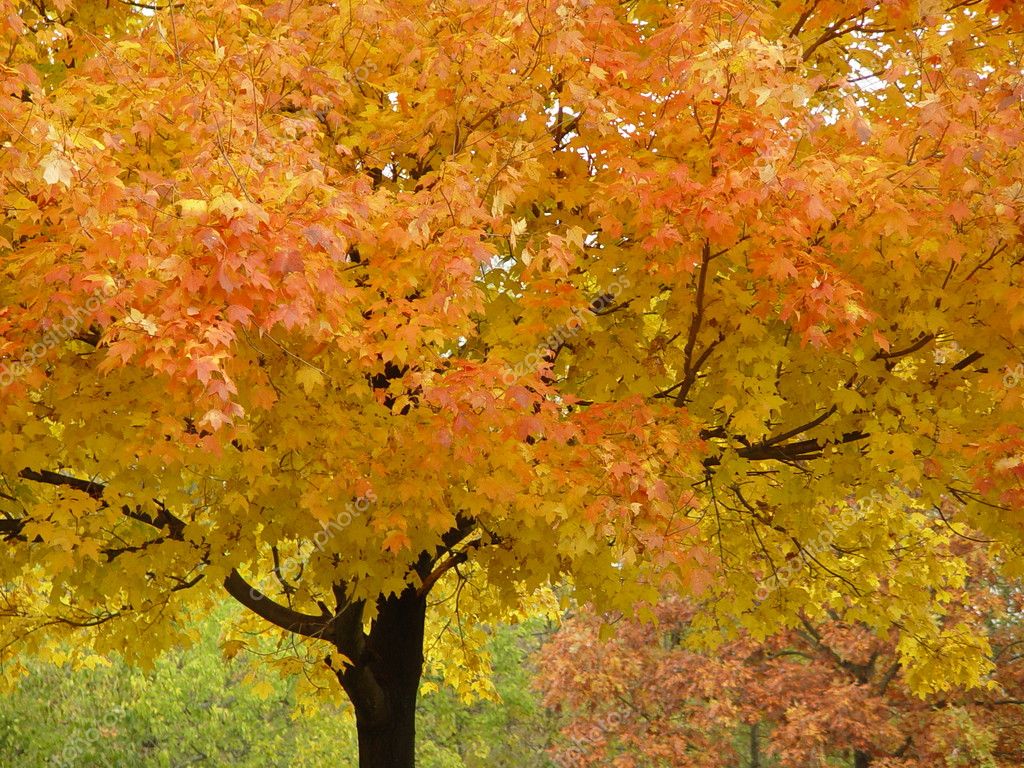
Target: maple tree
column 829, row 692
column 339, row 306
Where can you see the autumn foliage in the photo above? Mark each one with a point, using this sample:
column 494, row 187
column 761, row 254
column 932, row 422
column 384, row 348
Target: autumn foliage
column 586, row 291
column 830, row 692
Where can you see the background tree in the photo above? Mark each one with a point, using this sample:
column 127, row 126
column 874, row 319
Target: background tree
column 829, row 692
column 196, row 708
column 339, row 308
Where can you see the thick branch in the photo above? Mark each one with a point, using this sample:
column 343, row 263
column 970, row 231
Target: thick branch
column 814, row 639
column 802, row 428
column 441, row 570
column 689, row 369
column 808, row 12
column 834, row 31
column 277, row 614
column 802, row 450
column 921, row 342
column 970, row 359
column 164, row 518
column 11, row 528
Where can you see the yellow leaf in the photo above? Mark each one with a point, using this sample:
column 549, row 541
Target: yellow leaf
column 192, row 207
column 263, row 690
column 309, row 379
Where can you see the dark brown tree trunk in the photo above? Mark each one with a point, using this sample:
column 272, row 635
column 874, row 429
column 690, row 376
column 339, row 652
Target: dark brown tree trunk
column 861, row 760
column 384, row 679
column 392, row 743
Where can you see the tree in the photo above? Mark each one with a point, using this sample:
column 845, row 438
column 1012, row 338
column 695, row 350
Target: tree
column 338, row 306
column 192, row 708
column 196, row 708
column 830, row 692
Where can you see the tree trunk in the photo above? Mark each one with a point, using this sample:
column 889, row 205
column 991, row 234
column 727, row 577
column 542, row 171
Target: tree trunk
column 391, row 744
column 383, row 679
column 861, row 759
column 755, row 746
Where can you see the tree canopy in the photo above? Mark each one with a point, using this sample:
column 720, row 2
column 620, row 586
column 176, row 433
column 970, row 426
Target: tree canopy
column 329, row 304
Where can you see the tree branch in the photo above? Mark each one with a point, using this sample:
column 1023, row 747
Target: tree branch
column 164, row 519
column 689, row 369
column 318, row 627
column 921, row 342
column 971, row 358
column 441, row 570
column 801, row 450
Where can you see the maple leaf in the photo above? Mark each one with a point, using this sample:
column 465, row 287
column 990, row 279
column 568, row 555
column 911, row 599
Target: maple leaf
column 57, row 169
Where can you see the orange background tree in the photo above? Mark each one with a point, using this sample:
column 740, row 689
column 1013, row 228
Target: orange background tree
column 829, row 692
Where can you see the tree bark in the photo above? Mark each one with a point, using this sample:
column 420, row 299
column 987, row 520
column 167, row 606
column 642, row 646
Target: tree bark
column 384, row 677
column 861, row 759
column 755, row 746
column 391, row 744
